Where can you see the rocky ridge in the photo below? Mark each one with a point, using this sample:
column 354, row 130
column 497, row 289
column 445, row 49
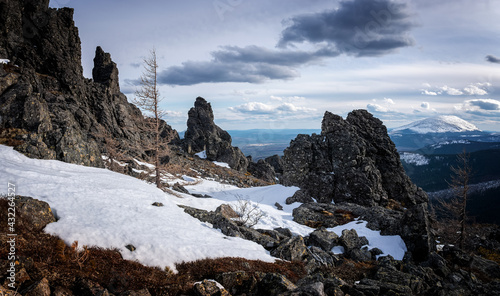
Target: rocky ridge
column 48, row 109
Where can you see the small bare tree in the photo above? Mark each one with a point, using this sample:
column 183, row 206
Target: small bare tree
column 456, row 206
column 148, row 99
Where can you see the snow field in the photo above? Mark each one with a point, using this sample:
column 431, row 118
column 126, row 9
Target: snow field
column 98, row 207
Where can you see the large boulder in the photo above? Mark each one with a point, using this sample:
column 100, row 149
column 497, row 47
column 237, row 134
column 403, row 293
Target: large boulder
column 353, row 162
column 38, row 212
column 203, row 134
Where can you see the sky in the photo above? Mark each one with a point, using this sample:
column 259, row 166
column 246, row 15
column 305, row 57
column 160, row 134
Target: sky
column 279, row 64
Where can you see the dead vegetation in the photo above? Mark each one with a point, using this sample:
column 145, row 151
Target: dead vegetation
column 45, row 256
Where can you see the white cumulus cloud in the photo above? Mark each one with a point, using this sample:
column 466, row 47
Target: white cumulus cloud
column 261, row 108
column 474, row 90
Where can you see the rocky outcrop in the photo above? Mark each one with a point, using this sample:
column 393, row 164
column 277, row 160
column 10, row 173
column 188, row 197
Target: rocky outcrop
column 262, row 170
column 203, row 134
column 50, row 109
column 354, row 162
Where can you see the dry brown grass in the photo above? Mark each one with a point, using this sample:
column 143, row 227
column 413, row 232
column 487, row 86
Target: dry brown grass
column 47, row 256
column 351, row 271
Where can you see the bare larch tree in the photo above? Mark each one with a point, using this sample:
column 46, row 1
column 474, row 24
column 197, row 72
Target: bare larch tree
column 457, row 205
column 148, row 99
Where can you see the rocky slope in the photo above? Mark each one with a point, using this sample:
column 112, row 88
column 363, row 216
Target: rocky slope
column 47, row 108
column 354, row 161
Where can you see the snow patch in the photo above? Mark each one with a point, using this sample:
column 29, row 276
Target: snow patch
column 141, row 163
column 202, row 154
column 221, row 164
column 389, row 244
column 414, row 158
column 4, row 61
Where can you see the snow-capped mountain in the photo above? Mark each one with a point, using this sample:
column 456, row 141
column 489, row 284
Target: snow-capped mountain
column 438, row 124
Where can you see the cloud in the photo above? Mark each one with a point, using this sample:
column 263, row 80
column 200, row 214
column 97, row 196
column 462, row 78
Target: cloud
column 451, row 91
column 477, row 89
column 389, row 101
column 287, row 99
column 492, row 59
column 429, row 93
column 482, row 107
column 257, row 54
column 261, row 108
column 425, row 105
column 191, row 73
column 252, row 64
column 374, row 108
column 359, row 28
column 485, row 104
column 474, row 90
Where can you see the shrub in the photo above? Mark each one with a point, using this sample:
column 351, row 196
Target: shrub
column 249, row 214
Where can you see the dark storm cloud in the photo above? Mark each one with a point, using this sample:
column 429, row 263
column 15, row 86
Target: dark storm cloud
column 250, row 64
column 191, row 73
column 492, row 59
column 256, row 54
column 359, row 27
column 486, row 104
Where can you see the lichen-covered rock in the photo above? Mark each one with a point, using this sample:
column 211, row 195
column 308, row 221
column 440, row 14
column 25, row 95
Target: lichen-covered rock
column 314, row 289
column 203, row 134
column 262, row 170
column 323, row 238
column 238, row 283
column 301, row 196
column 350, row 240
column 273, row 284
column 292, row 249
column 276, row 162
column 210, row 288
column 37, row 211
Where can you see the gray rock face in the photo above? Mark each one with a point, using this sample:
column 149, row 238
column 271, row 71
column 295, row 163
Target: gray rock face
column 203, row 134
column 354, row 162
column 55, row 112
column 262, row 170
